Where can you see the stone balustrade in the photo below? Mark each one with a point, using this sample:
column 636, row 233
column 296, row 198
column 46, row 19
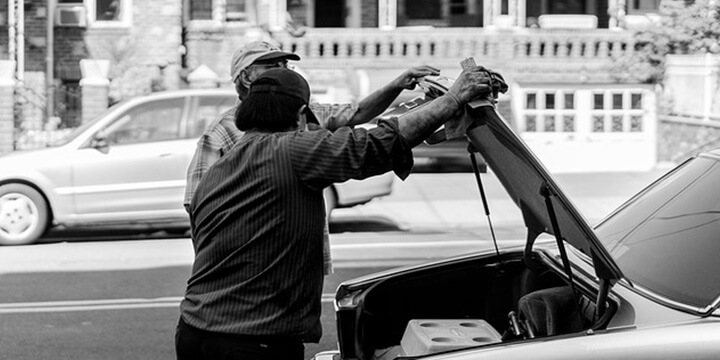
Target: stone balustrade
column 448, row 44
column 533, row 54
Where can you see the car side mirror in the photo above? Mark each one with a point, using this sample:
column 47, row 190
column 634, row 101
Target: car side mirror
column 100, row 143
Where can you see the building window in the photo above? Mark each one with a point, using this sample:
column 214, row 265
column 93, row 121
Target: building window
column 549, row 101
column 107, row 10
column 504, row 7
column 458, row 7
column 549, row 125
column 617, row 123
column 530, row 102
column 109, row 13
column 617, row 101
column 530, row 123
column 235, row 10
column 549, row 111
column 568, row 123
column 643, row 6
column 602, row 113
column 598, row 123
column 423, row 9
column 200, row 9
column 623, row 110
column 598, row 101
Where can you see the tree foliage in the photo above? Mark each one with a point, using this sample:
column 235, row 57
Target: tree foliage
column 683, row 27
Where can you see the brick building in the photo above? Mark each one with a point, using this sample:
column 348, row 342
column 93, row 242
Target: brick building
column 557, row 54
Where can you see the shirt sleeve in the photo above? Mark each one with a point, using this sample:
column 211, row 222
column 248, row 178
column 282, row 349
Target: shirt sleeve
column 212, row 145
column 333, row 116
column 208, row 151
column 322, row 157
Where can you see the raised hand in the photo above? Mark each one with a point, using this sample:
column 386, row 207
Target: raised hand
column 410, row 77
column 475, row 82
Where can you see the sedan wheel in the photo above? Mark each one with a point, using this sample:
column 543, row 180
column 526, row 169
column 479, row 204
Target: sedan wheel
column 23, row 215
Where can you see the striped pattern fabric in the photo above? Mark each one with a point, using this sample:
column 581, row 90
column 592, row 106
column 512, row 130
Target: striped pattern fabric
column 222, row 135
column 258, row 220
column 215, row 142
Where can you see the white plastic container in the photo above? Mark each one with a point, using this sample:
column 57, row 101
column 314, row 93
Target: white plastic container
column 427, row 336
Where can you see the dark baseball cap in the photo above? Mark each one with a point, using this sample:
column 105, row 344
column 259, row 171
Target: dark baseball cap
column 285, row 82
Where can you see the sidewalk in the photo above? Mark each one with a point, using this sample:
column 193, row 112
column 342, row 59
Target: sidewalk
column 426, row 202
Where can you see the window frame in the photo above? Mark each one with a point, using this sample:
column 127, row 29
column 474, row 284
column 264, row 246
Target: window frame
column 220, row 15
column 642, row 7
column 549, row 119
column 126, row 8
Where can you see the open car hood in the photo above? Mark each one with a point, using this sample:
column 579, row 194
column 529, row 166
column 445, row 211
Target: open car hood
column 545, row 208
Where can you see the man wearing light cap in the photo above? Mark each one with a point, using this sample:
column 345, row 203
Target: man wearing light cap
column 249, row 62
column 258, row 216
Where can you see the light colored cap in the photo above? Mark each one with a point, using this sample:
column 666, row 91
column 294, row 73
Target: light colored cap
column 253, row 52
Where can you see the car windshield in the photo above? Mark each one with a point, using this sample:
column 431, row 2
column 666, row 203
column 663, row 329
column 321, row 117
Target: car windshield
column 666, row 239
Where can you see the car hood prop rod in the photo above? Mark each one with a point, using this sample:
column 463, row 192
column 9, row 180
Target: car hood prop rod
column 546, row 193
column 476, row 169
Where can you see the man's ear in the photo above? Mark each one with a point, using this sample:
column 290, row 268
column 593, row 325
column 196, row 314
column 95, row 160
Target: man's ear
column 302, row 118
column 244, row 78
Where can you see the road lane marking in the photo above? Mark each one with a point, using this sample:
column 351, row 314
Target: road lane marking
column 140, row 255
column 94, row 305
column 87, row 305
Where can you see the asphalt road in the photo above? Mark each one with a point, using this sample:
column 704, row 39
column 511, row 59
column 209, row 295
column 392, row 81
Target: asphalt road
column 96, row 295
column 106, row 300
column 115, row 295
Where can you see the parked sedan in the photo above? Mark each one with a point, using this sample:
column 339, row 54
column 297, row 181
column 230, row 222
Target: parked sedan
column 126, row 167
column 643, row 284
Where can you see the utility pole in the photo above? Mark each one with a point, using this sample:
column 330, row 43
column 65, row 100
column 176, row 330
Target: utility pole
column 18, row 7
column 11, row 30
column 49, row 62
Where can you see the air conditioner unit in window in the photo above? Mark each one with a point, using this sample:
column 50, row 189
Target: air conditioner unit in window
column 70, row 15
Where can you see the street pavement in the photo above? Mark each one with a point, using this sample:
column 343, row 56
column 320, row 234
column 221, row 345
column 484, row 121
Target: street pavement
column 427, row 216
column 448, row 210
column 453, row 201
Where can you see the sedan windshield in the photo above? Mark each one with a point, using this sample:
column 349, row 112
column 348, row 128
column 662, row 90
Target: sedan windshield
column 667, row 239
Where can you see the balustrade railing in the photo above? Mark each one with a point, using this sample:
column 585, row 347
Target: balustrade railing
column 449, row 44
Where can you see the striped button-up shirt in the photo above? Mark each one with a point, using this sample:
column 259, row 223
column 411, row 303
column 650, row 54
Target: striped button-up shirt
column 222, row 135
column 258, row 219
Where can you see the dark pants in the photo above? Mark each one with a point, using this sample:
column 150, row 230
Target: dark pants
column 195, row 344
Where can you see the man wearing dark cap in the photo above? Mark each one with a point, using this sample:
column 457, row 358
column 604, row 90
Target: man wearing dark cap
column 258, row 216
column 249, row 62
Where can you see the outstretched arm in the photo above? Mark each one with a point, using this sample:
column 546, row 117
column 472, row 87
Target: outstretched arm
column 377, row 102
column 472, row 83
